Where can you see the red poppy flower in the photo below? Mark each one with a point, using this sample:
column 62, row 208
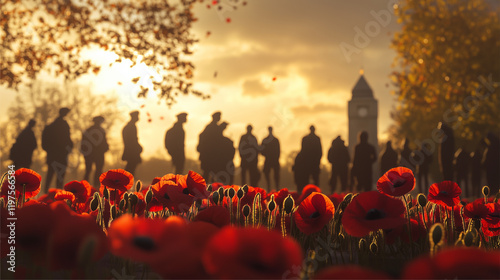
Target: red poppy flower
column 476, row 209
column 280, row 196
column 24, row 178
column 350, row 272
column 141, row 239
column 455, row 263
column 81, row 190
column 493, row 216
column 117, row 179
column 446, row 193
column 396, row 182
column 306, row 191
column 314, row 213
column 490, row 229
column 62, row 195
column 170, row 193
column 217, row 215
column 336, row 198
column 196, row 185
column 370, row 211
column 251, row 253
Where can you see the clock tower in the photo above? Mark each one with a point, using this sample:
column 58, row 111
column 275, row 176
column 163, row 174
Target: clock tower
column 362, row 115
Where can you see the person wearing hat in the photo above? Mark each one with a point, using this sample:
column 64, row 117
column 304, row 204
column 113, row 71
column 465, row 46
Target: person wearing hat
column 174, row 143
column 207, row 140
column 223, row 169
column 93, row 147
column 56, row 141
column 21, row 152
column 131, row 148
column 338, row 156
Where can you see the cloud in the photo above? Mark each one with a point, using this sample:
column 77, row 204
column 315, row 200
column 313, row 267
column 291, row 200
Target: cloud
column 254, row 87
column 319, row 108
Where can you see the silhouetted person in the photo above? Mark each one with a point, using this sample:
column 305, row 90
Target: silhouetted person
column 476, row 168
column 446, row 151
column 405, row 158
column 300, row 173
column 491, row 163
column 21, row 152
column 423, row 167
column 312, row 152
column 338, row 156
column 93, row 147
column 131, row 148
column 389, row 158
column 364, row 157
column 56, row 141
column 224, row 166
column 207, row 141
column 174, row 143
column 270, row 149
column 462, row 166
column 249, row 154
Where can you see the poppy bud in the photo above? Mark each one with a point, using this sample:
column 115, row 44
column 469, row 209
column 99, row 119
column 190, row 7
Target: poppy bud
column 362, row 244
column 469, row 238
column 122, row 205
column 138, row 186
column 133, row 199
column 245, row 188
column 422, row 200
column 341, row 238
column 436, row 235
column 288, row 204
column 149, row 196
column 486, row 191
column 231, row 193
column 105, row 193
column 209, row 188
column 197, row 203
column 497, row 197
column 246, row 210
column 271, row 205
column 374, row 247
column 125, row 196
column 113, row 211
column 215, row 197
column 221, row 192
column 240, row 193
column 94, row 203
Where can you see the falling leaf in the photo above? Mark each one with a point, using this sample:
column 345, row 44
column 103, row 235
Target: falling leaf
column 149, row 120
column 96, row 70
column 142, row 106
column 208, row 33
column 244, row 3
column 215, row 74
column 161, row 118
column 135, row 80
column 274, row 79
column 228, row 20
column 120, row 83
column 147, row 114
column 215, row 2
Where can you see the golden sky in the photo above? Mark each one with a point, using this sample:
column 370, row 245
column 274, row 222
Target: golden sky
column 305, row 45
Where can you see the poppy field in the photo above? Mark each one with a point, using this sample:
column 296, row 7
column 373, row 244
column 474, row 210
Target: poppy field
column 181, row 227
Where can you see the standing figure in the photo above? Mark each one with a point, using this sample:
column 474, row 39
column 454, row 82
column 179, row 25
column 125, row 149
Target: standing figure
column 389, row 158
column 312, row 152
column 462, row 165
column 131, row 148
column 207, row 141
column 406, row 153
column 338, row 156
column 21, row 152
column 270, row 149
column 93, row 147
column 476, row 170
column 56, row 141
column 446, row 151
column 249, row 154
column 364, row 158
column 174, row 143
column 423, row 167
column 223, row 167
column 491, row 163
column 300, row 173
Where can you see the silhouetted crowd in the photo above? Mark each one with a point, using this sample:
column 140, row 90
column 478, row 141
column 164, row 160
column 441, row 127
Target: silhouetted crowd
column 217, row 151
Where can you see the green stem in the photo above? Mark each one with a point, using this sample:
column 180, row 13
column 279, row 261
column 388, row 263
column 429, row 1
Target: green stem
column 409, row 226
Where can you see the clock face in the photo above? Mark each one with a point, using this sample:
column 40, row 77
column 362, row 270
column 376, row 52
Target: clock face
column 362, row 111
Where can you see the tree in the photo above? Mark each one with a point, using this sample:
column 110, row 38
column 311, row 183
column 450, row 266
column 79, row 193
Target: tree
column 448, row 69
column 42, row 103
column 52, row 35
